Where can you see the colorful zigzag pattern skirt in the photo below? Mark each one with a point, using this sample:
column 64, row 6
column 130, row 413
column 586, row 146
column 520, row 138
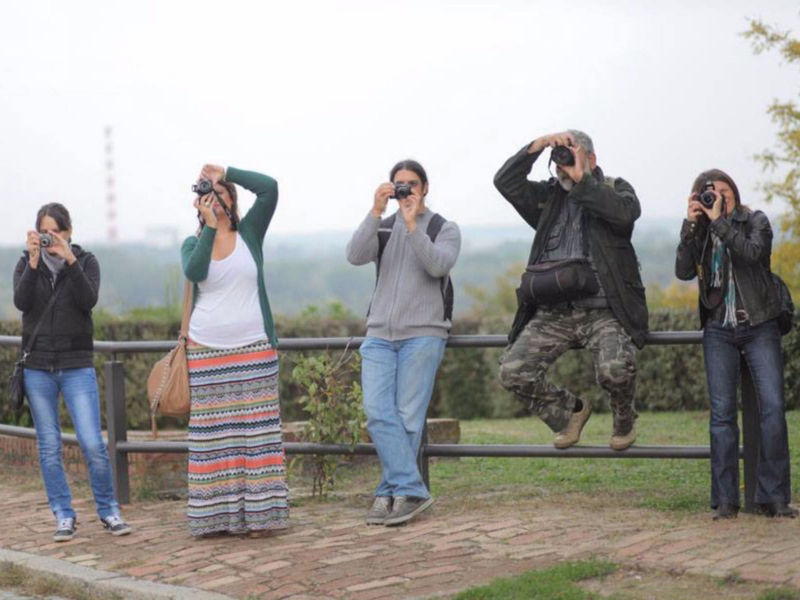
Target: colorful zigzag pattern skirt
column 237, row 468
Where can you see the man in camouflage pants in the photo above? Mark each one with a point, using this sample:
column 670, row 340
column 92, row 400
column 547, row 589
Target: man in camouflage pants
column 579, row 213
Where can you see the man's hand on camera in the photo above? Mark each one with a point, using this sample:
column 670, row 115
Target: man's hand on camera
column 34, row 248
column 382, row 195
column 409, row 209
column 205, row 204
column 552, row 140
column 213, row 173
column 695, row 208
column 577, row 171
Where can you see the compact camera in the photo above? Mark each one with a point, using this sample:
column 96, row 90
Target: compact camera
column 202, row 187
column 402, row 190
column 562, row 156
column 45, row 240
column 707, row 196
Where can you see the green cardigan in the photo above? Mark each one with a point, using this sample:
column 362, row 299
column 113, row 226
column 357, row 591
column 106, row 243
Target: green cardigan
column 196, row 250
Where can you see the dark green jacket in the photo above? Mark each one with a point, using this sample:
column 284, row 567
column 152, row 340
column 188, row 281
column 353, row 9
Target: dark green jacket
column 748, row 236
column 196, row 250
column 610, row 209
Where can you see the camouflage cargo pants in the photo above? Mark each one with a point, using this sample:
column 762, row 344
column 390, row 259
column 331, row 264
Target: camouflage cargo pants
column 547, row 336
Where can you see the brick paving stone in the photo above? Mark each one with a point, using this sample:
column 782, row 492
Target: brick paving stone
column 219, row 582
column 433, row 571
column 346, row 558
column 376, row 583
column 285, row 592
column 681, row 546
column 501, row 525
column 272, row 566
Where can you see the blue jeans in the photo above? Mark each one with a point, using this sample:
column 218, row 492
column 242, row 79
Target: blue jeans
column 79, row 389
column 761, row 348
column 397, row 379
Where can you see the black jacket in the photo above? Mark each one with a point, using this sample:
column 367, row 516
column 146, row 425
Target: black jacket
column 610, row 208
column 65, row 337
column 748, row 236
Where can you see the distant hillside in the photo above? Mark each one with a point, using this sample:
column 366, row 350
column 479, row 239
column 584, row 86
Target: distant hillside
column 311, row 268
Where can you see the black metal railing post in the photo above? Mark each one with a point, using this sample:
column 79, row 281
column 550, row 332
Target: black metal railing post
column 422, row 458
column 117, row 427
column 750, row 436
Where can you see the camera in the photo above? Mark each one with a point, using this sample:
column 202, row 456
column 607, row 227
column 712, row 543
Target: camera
column 402, row 190
column 707, row 196
column 562, row 156
column 45, row 240
column 202, row 187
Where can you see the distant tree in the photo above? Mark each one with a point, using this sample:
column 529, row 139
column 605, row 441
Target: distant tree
column 784, row 157
column 678, row 295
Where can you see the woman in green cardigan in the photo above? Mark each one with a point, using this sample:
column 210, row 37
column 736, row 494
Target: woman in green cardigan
column 237, row 470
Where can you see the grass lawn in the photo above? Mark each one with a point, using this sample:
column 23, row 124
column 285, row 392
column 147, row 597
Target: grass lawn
column 662, row 484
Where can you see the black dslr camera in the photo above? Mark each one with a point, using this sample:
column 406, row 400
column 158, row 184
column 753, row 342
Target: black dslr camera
column 202, row 187
column 707, row 196
column 402, row 190
column 562, row 156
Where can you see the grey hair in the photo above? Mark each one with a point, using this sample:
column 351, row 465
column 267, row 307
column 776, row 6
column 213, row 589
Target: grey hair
column 583, row 139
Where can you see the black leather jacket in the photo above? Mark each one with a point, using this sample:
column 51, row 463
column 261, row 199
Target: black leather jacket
column 610, row 208
column 65, row 337
column 748, row 236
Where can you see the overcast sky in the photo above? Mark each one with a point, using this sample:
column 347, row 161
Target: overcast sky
column 327, row 96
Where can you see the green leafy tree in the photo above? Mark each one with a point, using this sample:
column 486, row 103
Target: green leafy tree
column 783, row 159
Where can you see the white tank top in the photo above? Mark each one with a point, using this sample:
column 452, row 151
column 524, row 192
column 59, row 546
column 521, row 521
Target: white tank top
column 227, row 313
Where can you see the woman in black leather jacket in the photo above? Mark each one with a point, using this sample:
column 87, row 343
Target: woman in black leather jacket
column 727, row 246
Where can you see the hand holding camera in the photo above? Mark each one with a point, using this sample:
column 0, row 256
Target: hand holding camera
column 33, row 246
column 205, row 204
column 552, row 140
column 382, row 195
column 409, row 206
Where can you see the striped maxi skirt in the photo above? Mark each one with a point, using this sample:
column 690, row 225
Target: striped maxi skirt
column 237, row 468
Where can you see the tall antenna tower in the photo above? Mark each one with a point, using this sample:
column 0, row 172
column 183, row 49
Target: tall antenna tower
column 111, row 199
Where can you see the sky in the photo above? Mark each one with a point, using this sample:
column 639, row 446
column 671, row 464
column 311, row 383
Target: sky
column 327, row 96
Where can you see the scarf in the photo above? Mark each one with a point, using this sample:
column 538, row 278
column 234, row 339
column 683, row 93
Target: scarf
column 54, row 263
column 719, row 254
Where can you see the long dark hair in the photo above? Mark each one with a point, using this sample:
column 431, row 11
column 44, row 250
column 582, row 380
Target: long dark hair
column 57, row 212
column 716, row 175
column 410, row 165
column 234, row 208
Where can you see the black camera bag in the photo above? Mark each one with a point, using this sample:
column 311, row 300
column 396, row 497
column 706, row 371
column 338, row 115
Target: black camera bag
column 556, row 281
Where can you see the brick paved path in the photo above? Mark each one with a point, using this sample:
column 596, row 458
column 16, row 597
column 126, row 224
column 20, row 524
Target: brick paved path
column 329, row 553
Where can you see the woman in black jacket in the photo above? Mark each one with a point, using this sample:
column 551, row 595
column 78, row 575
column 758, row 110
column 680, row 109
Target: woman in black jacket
column 60, row 361
column 728, row 246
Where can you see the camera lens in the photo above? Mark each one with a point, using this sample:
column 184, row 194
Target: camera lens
column 708, row 198
column 202, row 187
column 562, row 156
column 45, row 240
column 402, row 190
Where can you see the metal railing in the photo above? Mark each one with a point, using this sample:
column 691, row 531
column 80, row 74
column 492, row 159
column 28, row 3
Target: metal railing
column 119, row 447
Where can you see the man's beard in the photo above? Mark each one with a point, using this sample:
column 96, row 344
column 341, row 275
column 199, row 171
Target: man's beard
column 564, row 180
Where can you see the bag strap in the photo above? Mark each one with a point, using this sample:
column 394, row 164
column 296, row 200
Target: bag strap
column 186, row 311
column 27, row 350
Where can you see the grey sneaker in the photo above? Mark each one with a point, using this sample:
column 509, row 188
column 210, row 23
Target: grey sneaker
column 406, row 508
column 65, row 530
column 381, row 508
column 116, row 525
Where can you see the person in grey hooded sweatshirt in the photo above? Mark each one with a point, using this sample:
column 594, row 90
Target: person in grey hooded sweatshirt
column 408, row 323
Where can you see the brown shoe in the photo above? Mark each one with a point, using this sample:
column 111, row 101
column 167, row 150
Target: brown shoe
column 570, row 435
column 624, row 433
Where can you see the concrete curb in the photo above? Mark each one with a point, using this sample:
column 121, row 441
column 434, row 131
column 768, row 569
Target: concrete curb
column 105, row 581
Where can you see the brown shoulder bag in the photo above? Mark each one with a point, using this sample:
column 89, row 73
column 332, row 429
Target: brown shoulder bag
column 168, row 383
